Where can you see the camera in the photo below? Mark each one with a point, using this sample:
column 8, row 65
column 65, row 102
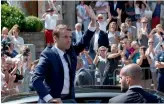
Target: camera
column 126, row 32
column 5, row 47
column 18, row 76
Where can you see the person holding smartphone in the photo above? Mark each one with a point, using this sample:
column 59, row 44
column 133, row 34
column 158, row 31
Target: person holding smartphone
column 100, row 61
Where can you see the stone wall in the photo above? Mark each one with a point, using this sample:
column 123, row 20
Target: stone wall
column 36, row 38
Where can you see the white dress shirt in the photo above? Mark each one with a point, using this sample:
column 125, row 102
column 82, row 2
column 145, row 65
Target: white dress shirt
column 96, row 41
column 78, row 36
column 66, row 71
column 135, row 86
column 115, row 5
column 103, row 25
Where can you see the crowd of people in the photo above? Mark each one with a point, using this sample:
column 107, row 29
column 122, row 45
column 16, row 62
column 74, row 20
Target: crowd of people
column 125, row 34
column 16, row 65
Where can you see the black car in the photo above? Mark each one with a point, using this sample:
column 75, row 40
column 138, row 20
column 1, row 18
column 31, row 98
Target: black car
column 84, row 94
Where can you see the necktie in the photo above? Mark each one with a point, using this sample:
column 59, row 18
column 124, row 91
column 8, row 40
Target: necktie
column 69, row 66
column 66, row 58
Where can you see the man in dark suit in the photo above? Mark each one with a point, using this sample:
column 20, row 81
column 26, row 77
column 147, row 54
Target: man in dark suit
column 131, row 79
column 77, row 34
column 114, row 7
column 99, row 39
column 55, row 73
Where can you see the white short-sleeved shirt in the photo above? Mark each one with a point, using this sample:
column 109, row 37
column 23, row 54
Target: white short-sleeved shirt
column 96, row 41
column 51, row 21
column 103, row 25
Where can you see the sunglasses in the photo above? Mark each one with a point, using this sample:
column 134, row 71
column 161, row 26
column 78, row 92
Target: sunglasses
column 100, row 17
column 144, row 22
column 69, row 29
column 102, row 50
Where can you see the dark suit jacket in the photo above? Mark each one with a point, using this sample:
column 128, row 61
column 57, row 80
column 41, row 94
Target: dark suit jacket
column 135, row 95
column 112, row 10
column 102, row 41
column 74, row 37
column 49, row 73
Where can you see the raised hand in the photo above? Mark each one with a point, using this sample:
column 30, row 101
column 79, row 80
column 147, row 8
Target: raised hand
column 119, row 11
column 90, row 12
column 107, row 9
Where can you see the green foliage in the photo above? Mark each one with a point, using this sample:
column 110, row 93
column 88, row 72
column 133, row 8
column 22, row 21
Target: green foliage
column 11, row 16
column 33, row 24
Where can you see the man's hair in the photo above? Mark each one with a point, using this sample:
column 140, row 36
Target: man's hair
column 59, row 28
column 134, row 71
column 78, row 24
column 100, row 15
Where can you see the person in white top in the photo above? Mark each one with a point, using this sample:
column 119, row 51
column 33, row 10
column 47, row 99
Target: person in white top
column 100, row 8
column 101, row 19
column 152, row 65
column 51, row 20
column 16, row 39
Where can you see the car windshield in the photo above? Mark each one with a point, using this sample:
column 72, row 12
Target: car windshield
column 66, row 48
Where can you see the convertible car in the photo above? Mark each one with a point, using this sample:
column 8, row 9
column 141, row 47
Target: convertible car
column 84, row 94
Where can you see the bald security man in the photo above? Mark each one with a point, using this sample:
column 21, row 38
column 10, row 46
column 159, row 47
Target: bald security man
column 131, row 79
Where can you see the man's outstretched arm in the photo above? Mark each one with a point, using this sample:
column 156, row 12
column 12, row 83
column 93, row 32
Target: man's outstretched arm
column 79, row 47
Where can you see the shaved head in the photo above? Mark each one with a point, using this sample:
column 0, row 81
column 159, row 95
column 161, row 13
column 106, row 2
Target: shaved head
column 130, row 75
column 132, row 70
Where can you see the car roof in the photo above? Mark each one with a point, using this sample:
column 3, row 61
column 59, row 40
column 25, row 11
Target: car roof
column 81, row 91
